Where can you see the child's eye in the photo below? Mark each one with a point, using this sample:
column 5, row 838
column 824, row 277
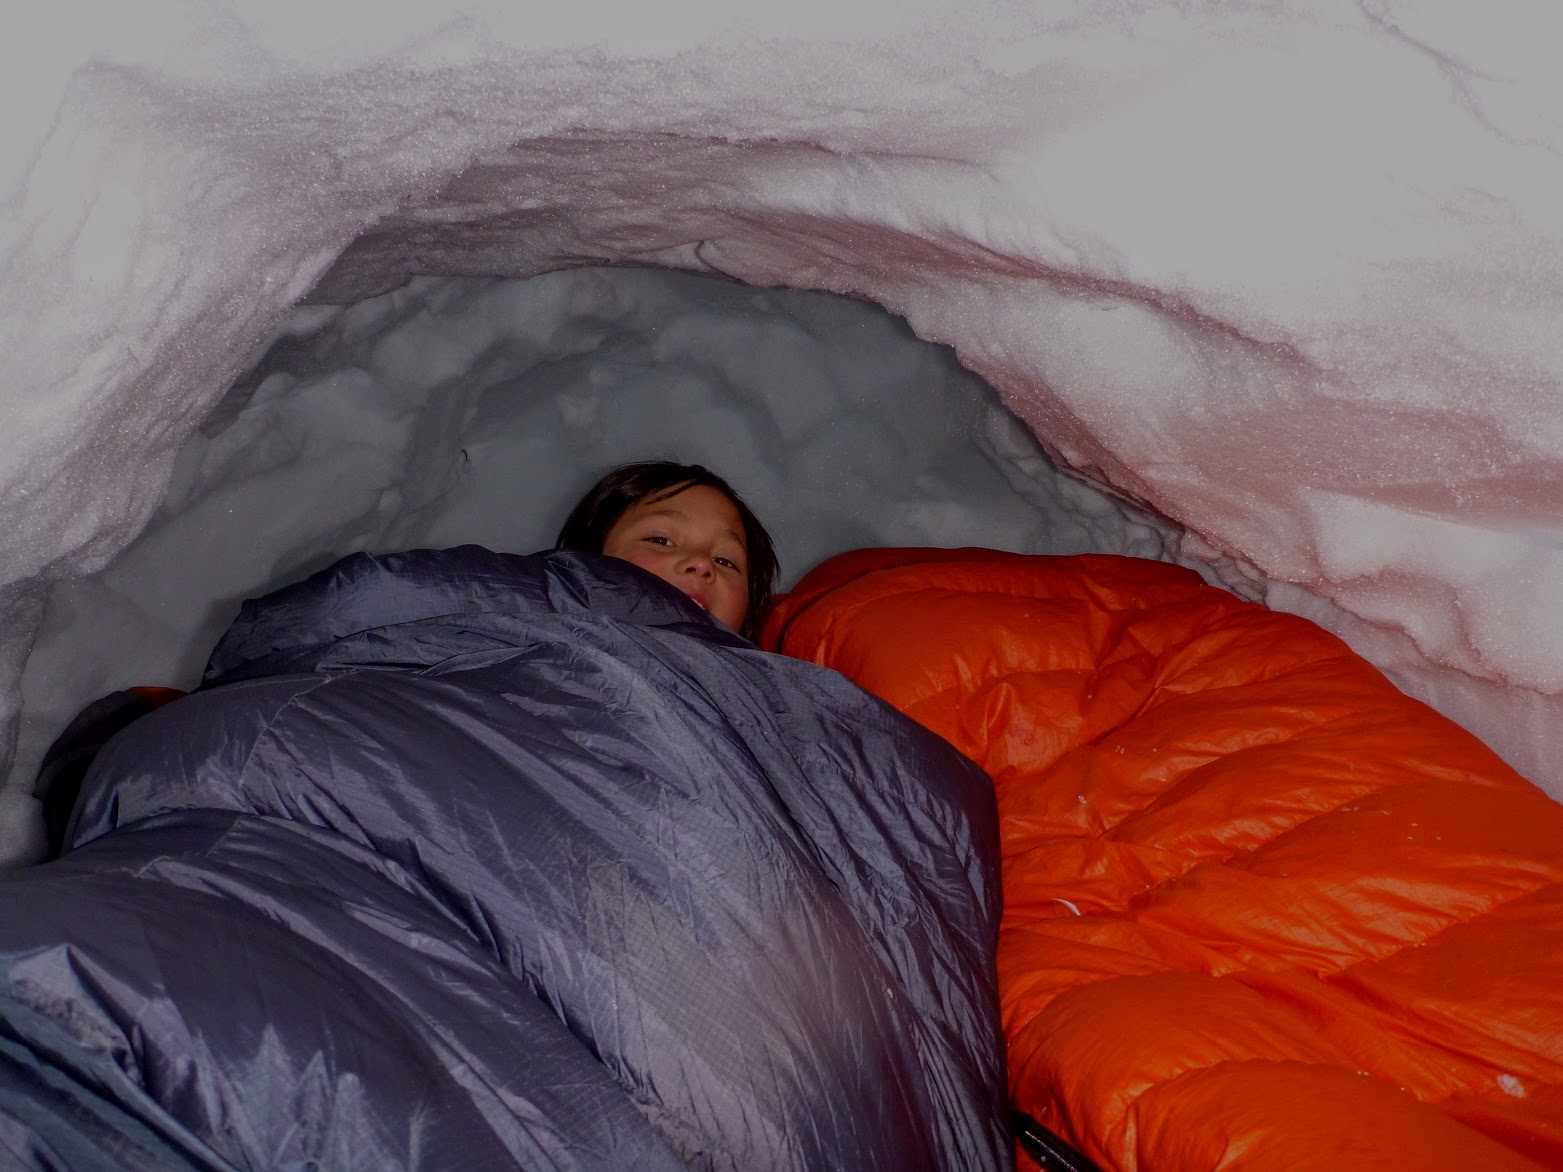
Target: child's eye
column 731, row 565
column 658, row 539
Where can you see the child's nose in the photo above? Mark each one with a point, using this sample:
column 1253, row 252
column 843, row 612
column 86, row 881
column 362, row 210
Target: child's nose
column 699, row 563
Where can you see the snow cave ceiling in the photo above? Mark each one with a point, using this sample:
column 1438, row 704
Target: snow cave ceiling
column 1286, row 275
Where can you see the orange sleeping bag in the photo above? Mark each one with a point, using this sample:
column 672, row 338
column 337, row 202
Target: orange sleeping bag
column 1262, row 910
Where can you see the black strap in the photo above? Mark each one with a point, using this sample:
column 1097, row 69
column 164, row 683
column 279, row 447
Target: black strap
column 1046, row 1148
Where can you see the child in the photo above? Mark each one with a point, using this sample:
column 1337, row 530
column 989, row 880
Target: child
column 687, row 526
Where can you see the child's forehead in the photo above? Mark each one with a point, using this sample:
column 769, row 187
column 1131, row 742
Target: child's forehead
column 667, row 494
column 669, row 499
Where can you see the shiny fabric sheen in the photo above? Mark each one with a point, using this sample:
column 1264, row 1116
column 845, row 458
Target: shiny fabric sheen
column 1261, row 910
column 466, row 860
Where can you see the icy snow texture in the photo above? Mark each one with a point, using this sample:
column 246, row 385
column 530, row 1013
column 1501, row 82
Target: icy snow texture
column 1290, row 273
column 457, row 411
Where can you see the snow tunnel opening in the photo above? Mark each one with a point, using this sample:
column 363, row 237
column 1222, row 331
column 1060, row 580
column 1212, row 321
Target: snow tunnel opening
column 460, row 410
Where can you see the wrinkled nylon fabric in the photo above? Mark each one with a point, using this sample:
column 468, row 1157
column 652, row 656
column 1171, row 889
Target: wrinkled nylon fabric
column 1262, row 910
column 467, row 860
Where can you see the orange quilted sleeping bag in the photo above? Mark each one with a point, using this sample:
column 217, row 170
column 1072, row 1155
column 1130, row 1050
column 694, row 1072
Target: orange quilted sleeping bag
column 1262, row 910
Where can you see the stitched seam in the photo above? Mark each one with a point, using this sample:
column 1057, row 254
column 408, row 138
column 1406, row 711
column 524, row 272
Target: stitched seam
column 265, row 731
column 1491, row 909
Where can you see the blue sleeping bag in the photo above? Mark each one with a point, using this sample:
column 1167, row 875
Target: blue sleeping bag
column 469, row 860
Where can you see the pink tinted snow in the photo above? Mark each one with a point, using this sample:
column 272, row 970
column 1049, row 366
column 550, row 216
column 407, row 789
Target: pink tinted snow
column 1315, row 327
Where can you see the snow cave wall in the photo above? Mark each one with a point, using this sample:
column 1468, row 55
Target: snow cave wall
column 1286, row 275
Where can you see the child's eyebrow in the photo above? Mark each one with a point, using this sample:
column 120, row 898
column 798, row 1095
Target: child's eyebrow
column 679, row 514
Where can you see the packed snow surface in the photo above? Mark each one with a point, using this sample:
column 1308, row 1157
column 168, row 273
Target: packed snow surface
column 1288, row 274
column 459, row 411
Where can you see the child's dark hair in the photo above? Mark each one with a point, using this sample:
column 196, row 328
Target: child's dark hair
column 599, row 510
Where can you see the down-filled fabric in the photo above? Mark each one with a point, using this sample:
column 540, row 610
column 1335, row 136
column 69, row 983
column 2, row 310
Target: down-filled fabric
column 467, row 860
column 1262, row 911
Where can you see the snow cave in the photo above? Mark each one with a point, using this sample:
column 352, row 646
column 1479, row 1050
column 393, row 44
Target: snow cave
column 1267, row 293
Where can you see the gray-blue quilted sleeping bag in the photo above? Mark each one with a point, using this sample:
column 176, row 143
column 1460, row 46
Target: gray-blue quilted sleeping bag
column 469, row 860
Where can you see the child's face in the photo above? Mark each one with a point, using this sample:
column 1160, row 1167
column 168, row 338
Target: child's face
column 693, row 539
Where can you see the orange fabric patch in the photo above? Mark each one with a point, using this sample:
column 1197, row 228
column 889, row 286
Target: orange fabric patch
column 1261, row 909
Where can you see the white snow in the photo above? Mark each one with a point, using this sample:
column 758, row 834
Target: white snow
column 461, row 411
column 1289, row 274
